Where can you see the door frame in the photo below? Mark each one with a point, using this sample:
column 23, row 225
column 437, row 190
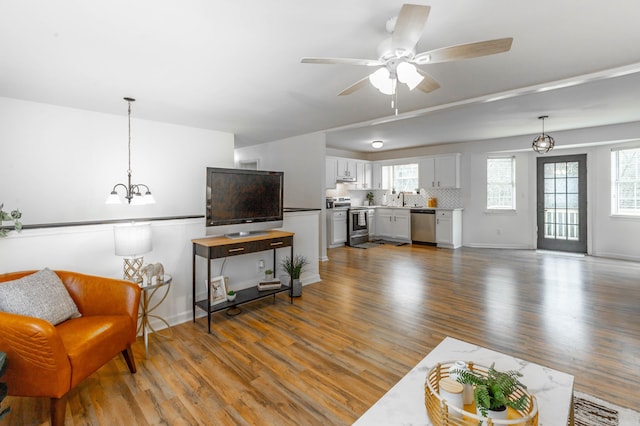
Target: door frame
column 583, row 245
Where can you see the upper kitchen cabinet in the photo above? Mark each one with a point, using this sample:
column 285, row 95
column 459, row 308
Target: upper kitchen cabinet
column 347, row 170
column 364, row 180
column 440, row 172
column 376, row 176
column 331, row 166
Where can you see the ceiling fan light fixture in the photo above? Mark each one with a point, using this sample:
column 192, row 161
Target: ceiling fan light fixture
column 377, row 144
column 543, row 143
column 381, row 80
column 409, row 75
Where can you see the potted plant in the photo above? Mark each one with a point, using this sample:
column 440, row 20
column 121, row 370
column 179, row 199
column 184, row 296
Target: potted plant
column 294, row 268
column 370, row 198
column 231, row 295
column 268, row 275
column 15, row 216
column 492, row 391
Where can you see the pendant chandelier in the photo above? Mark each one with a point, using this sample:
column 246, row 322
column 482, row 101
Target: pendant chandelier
column 133, row 192
column 543, row 143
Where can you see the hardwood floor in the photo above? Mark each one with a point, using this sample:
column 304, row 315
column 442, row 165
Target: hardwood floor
column 377, row 312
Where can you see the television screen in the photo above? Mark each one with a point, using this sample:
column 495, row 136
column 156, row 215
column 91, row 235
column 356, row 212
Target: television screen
column 240, row 196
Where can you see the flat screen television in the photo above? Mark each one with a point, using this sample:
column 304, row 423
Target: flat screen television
column 240, row 202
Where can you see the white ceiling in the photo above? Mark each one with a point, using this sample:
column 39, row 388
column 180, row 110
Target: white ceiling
column 234, row 66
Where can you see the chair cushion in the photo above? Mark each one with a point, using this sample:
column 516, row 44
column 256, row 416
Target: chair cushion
column 92, row 341
column 40, row 295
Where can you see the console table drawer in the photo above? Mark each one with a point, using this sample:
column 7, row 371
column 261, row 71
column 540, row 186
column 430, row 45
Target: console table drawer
column 245, row 247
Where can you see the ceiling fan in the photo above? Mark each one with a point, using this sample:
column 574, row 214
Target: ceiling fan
column 398, row 59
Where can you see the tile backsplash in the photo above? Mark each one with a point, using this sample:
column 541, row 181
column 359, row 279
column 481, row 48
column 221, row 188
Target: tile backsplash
column 446, row 198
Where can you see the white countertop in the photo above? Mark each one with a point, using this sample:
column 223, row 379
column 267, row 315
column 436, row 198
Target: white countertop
column 402, row 208
column 404, row 403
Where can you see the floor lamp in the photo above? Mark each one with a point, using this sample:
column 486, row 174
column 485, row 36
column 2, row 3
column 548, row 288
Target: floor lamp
column 131, row 241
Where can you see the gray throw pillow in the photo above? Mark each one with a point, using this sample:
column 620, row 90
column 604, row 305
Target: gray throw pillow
column 41, row 295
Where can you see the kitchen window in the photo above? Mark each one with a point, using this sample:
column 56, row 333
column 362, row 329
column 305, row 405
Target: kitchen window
column 501, row 183
column 400, row 177
column 625, row 182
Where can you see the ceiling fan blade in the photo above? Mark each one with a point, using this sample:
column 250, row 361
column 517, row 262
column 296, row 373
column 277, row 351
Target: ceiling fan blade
column 409, row 26
column 428, row 84
column 464, row 51
column 355, row 86
column 346, row 61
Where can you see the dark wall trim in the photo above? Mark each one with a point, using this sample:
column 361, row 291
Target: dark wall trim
column 103, row 222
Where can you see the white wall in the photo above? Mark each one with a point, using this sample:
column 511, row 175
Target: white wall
column 58, row 166
column 302, row 160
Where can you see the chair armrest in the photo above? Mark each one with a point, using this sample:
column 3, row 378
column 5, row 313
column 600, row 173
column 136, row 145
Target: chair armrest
column 101, row 295
column 37, row 362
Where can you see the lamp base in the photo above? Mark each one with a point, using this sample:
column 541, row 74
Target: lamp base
column 131, row 269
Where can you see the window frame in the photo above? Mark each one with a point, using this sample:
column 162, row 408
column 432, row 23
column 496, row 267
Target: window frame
column 616, row 181
column 511, row 184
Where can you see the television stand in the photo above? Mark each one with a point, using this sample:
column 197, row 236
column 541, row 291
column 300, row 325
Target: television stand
column 221, row 247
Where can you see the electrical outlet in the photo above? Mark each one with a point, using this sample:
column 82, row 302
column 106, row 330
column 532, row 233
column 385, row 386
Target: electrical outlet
column 260, row 265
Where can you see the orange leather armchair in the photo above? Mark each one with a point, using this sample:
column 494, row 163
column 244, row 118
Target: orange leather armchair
column 48, row 361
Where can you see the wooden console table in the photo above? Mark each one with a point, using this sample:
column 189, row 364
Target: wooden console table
column 220, row 247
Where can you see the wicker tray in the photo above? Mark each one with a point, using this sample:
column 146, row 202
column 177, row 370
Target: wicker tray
column 441, row 413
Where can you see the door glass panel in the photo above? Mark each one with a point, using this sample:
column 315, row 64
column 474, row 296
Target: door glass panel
column 572, row 185
column 572, row 169
column 549, row 170
column 572, row 201
column 549, row 186
column 561, row 201
column 561, row 186
column 561, row 170
column 549, row 201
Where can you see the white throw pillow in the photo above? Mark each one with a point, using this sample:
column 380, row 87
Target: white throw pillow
column 41, row 295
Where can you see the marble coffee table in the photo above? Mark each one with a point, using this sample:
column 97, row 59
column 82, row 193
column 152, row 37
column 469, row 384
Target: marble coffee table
column 404, row 403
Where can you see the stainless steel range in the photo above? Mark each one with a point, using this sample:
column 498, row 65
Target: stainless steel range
column 357, row 225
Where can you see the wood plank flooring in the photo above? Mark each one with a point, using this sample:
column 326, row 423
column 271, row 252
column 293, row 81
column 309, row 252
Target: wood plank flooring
column 377, row 312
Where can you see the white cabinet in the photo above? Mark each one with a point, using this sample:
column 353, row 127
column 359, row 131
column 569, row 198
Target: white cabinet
column 364, row 173
column 393, row 223
column 336, row 227
column 331, row 166
column 376, row 176
column 371, row 215
column 346, row 169
column 440, row 172
column 449, row 228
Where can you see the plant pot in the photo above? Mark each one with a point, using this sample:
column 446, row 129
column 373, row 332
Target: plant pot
column 494, row 414
column 296, row 287
column 231, row 297
column 268, row 277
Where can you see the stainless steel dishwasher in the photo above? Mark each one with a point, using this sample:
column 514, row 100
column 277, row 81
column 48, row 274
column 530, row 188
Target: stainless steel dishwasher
column 423, row 226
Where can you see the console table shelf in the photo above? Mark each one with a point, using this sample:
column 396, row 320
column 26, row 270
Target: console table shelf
column 220, row 247
column 243, row 296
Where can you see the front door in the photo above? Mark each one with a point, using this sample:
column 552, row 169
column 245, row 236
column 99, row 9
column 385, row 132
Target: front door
column 562, row 203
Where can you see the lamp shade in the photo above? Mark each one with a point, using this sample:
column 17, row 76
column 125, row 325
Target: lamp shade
column 132, row 239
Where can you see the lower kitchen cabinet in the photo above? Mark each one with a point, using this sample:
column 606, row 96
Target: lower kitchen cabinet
column 336, row 227
column 449, row 228
column 393, row 223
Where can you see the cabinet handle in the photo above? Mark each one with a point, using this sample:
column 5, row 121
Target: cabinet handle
column 433, row 184
column 277, row 244
column 236, row 249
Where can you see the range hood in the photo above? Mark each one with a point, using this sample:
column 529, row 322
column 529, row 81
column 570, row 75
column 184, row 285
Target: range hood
column 345, row 179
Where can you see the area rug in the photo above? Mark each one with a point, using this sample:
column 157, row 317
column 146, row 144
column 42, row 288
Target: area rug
column 370, row 244
column 591, row 411
column 390, row 243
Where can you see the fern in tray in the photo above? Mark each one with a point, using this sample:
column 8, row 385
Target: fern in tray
column 492, row 392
